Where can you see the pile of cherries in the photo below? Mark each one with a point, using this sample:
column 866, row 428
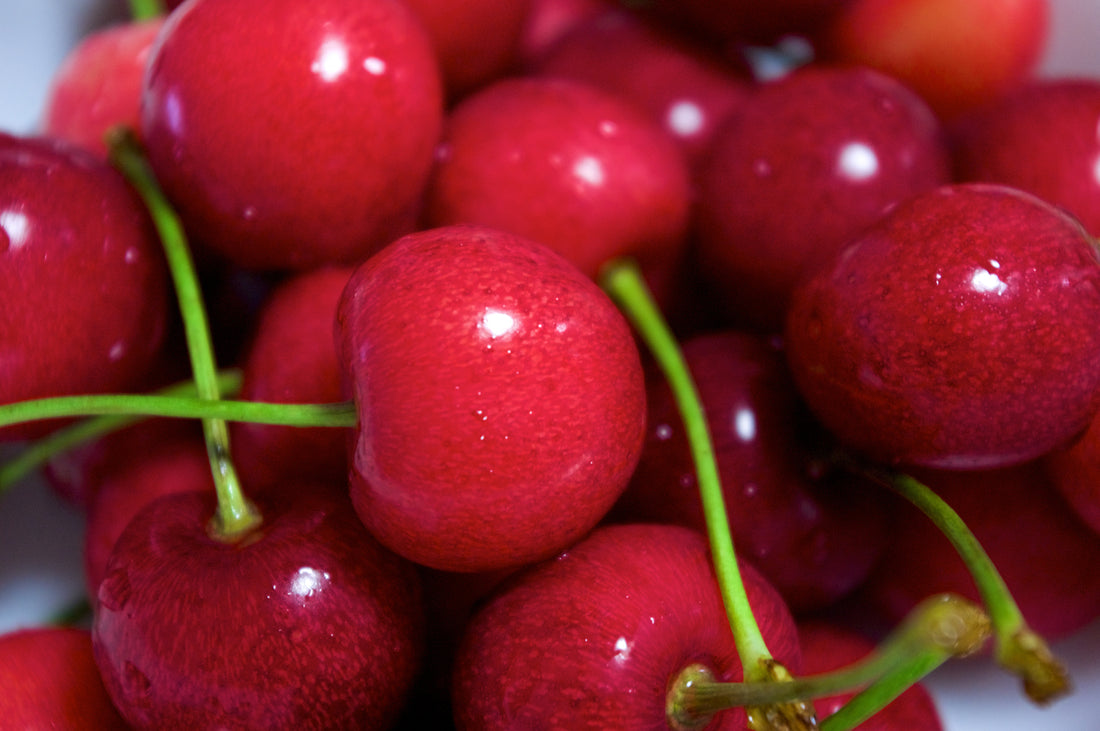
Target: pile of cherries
column 420, row 275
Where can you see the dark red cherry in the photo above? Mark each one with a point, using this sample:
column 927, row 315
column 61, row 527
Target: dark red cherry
column 1076, row 474
column 306, row 623
column 959, row 332
column 500, row 395
column 565, row 164
column 84, row 306
column 1041, row 138
column 594, row 637
column 803, row 165
column 51, row 681
column 291, row 135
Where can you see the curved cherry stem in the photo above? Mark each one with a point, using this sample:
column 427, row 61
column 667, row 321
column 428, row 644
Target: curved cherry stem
column 236, row 515
column 43, row 450
column 940, row 628
column 1018, row 648
column 624, row 283
column 145, row 9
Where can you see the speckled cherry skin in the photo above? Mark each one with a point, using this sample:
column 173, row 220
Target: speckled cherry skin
column 959, row 332
column 291, row 358
column 1076, row 473
column 312, row 154
column 85, row 298
column 803, row 165
column 1040, row 138
column 814, row 532
column 1045, row 554
column 98, row 84
column 51, row 681
column 682, row 87
column 565, row 164
column 500, row 395
column 828, row 646
column 306, row 623
column 593, row 638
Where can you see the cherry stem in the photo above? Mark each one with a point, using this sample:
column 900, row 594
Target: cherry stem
column 624, row 283
column 1018, row 648
column 938, row 629
column 145, row 9
column 42, row 451
column 236, row 515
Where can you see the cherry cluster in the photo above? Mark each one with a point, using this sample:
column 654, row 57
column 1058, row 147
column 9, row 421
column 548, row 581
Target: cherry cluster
column 419, row 364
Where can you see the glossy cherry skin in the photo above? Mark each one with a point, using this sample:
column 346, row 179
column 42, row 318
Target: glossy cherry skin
column 313, row 154
column 306, row 623
column 85, row 298
column 500, row 395
column 813, row 532
column 595, row 637
column 827, row 646
column 51, row 681
column 683, row 88
column 98, row 85
column 959, row 332
column 291, row 358
column 565, row 164
column 925, row 44
column 803, row 165
column 1040, row 138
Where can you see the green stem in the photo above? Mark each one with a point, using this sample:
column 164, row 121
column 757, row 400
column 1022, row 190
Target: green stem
column 623, row 281
column 236, row 515
column 1017, row 647
column 42, row 451
column 341, row 414
column 145, row 10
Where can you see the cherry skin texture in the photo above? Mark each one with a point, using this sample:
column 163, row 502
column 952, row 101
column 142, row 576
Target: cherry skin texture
column 292, row 359
column 593, row 638
column 957, row 54
column 959, row 332
column 308, row 623
column 500, row 396
column 85, row 295
column 51, row 681
column 310, row 154
column 1040, row 138
column 98, row 85
column 813, row 532
column 802, row 166
column 565, row 164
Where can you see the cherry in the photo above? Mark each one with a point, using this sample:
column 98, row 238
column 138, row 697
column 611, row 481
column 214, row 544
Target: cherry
column 69, row 224
column 51, row 681
column 957, row 54
column 548, row 21
column 314, row 155
column 304, row 623
column 1076, row 474
column 814, row 532
column 500, row 396
column 1040, row 138
column 595, row 637
column 99, row 83
column 957, row 332
column 291, row 358
column 565, row 164
column 806, row 163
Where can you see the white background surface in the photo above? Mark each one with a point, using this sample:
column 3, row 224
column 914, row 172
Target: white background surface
column 40, row 539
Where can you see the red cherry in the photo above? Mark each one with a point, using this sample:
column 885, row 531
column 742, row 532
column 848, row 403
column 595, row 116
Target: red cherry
column 51, row 681
column 593, row 638
column 307, row 623
column 500, row 395
column 1076, row 474
column 548, row 21
column 85, row 298
column 565, row 164
column 291, row 135
column 98, row 85
column 959, row 332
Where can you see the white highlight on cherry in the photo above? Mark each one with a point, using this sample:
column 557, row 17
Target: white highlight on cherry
column 16, row 226
column 308, row 581
column 857, row 161
column 332, row 59
column 497, row 323
column 685, row 118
